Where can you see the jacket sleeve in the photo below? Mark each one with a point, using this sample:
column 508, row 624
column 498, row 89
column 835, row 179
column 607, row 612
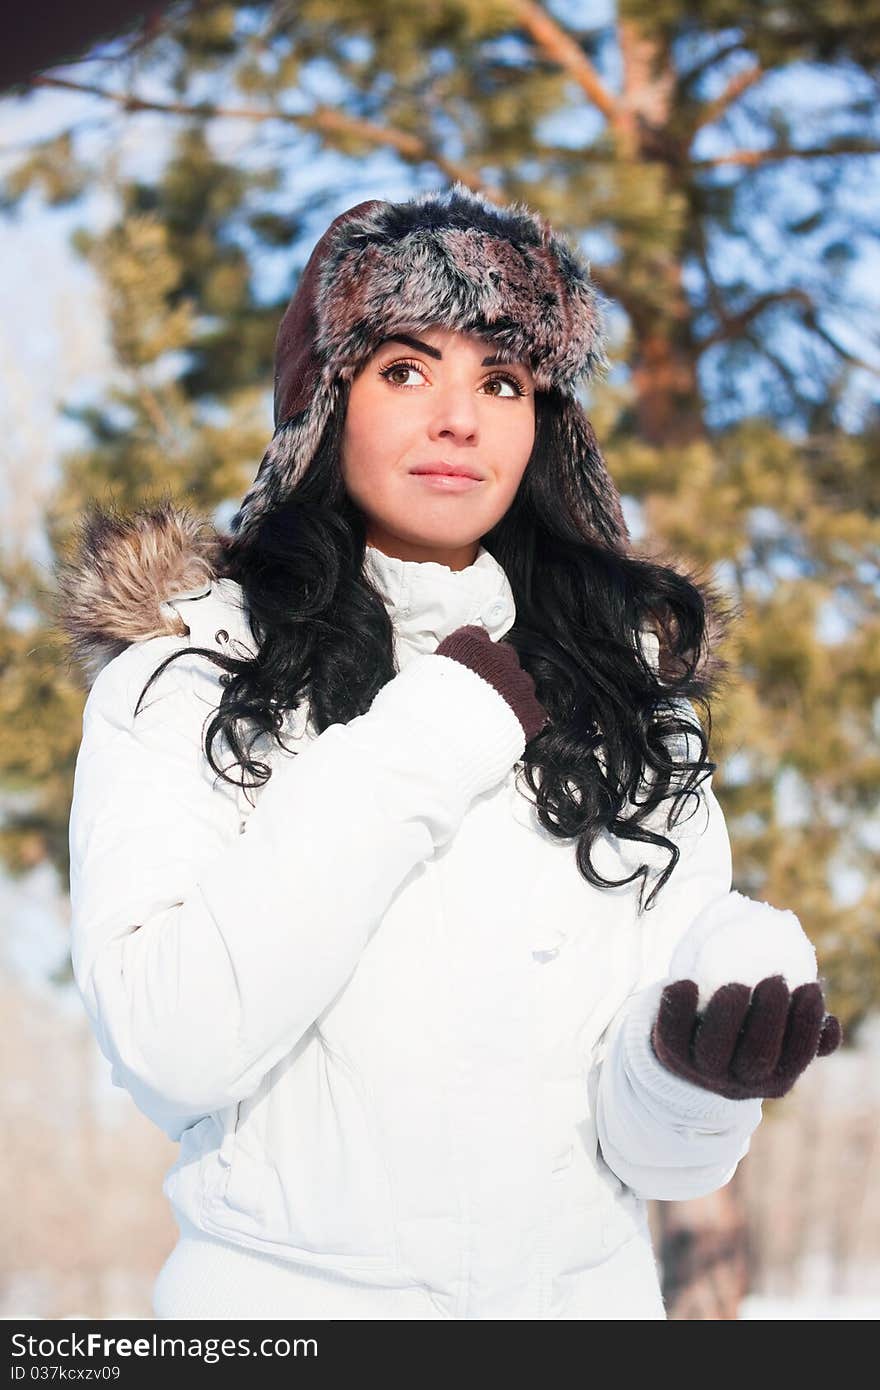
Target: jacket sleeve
column 204, row 946
column 665, row 1137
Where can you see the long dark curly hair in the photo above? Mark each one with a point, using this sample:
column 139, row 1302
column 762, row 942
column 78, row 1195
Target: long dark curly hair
column 617, row 726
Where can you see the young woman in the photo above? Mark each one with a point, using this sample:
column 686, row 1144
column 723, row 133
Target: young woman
column 401, row 897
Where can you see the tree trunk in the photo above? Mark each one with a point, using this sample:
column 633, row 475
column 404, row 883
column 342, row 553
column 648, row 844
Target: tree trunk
column 668, row 408
column 701, row 1244
column 703, row 1255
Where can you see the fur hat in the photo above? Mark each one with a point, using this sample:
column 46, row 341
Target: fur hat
column 452, row 259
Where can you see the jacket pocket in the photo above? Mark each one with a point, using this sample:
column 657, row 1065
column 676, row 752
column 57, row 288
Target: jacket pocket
column 594, row 1213
column 301, row 1165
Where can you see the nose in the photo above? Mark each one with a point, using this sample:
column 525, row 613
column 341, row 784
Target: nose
column 454, row 415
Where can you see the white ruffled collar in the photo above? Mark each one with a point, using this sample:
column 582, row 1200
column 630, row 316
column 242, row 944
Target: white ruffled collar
column 427, row 601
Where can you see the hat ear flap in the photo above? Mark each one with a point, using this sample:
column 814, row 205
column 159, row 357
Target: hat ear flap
column 291, row 450
column 591, row 493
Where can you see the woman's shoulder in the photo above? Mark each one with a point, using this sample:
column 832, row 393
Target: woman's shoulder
column 217, row 617
column 650, row 645
column 212, row 617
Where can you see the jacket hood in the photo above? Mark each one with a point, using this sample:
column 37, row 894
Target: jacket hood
column 115, row 585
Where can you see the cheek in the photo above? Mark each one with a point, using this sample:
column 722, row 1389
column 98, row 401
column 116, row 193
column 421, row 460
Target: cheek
column 518, row 449
column 372, row 407
column 364, row 442
column 365, row 464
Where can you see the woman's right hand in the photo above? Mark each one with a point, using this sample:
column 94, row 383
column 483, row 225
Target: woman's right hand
column 497, row 663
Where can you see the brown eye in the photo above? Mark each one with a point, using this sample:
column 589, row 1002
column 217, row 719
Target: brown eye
column 501, row 378
column 511, row 381
column 388, row 371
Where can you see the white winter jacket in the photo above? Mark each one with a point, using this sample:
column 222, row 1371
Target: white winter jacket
column 396, row 1033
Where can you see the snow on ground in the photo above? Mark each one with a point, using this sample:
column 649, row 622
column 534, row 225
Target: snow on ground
column 757, row 1307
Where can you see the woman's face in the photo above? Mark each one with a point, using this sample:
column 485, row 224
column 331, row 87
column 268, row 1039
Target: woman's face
column 427, row 402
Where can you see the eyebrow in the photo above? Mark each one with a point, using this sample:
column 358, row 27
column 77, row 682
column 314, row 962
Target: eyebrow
column 435, row 352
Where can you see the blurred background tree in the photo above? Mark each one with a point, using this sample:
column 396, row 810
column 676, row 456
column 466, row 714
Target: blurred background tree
column 715, row 164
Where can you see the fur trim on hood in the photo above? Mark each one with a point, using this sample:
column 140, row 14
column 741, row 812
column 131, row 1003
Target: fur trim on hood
column 113, row 588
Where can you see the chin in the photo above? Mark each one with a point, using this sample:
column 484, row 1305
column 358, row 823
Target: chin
column 434, row 532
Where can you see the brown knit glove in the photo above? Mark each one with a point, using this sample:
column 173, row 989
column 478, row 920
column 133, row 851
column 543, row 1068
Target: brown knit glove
column 746, row 1043
column 497, row 663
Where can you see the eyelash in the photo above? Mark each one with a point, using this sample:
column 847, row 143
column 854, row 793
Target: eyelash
column 497, row 376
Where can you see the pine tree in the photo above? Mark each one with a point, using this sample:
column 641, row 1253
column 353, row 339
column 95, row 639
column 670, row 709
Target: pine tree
column 722, row 210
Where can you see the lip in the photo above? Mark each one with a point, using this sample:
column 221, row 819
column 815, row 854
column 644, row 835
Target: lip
column 445, row 469
column 448, row 482
column 446, row 477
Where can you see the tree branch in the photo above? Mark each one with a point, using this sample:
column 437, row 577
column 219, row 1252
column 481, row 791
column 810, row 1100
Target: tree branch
column 753, row 158
column 152, row 24
column 734, row 325
column 648, row 85
column 811, row 321
column 693, row 74
column 782, row 368
column 713, row 292
column 323, row 120
column 564, row 50
column 814, row 324
column 711, row 111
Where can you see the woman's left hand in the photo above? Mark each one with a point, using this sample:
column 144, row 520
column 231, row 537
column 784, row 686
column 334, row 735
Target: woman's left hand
column 746, row 1043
